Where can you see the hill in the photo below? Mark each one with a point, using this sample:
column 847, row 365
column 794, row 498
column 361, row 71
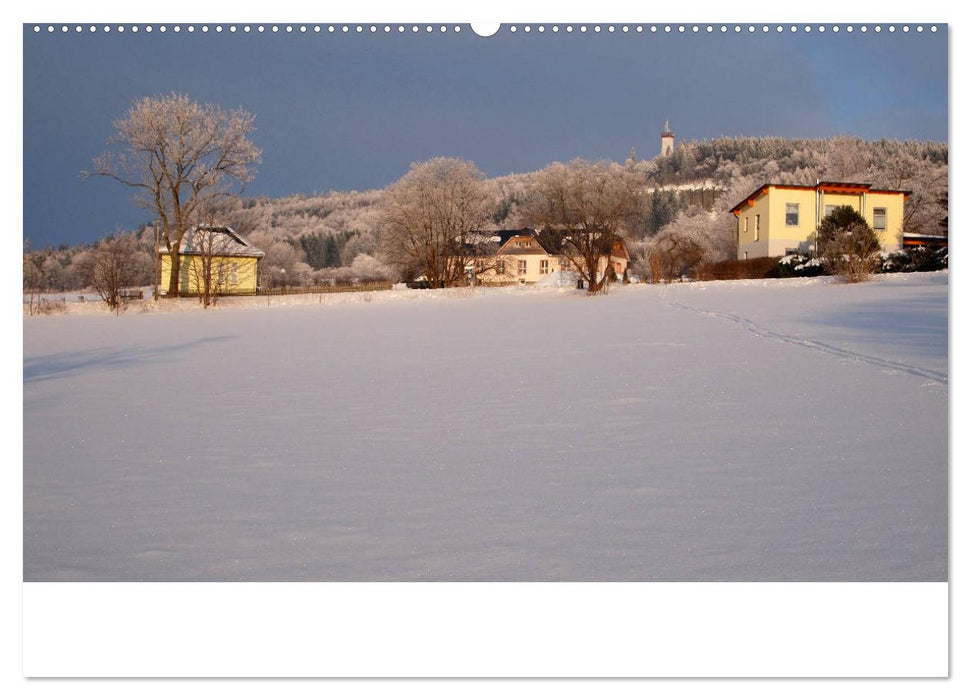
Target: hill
column 316, row 237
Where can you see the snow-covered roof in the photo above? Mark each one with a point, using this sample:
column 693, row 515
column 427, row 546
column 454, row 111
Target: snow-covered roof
column 215, row 240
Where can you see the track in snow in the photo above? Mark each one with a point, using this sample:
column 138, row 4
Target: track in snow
column 752, row 327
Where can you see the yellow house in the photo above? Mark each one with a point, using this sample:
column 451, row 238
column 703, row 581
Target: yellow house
column 216, row 253
column 523, row 259
column 778, row 219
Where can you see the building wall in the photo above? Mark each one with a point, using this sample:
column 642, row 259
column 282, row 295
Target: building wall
column 892, row 236
column 534, row 268
column 750, row 246
column 191, row 278
column 512, row 275
column 526, row 250
column 781, row 236
column 776, row 237
column 667, row 145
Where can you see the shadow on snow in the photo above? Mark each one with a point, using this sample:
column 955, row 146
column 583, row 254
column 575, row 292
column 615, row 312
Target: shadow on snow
column 62, row 364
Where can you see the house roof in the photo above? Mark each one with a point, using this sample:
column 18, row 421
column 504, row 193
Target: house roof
column 501, row 236
column 217, row 240
column 826, row 186
column 534, row 248
column 539, row 245
column 487, row 242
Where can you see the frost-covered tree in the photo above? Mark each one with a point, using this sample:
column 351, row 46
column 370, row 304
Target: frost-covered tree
column 366, row 268
column 584, row 206
column 428, row 217
column 282, row 263
column 333, row 228
column 695, row 237
column 180, row 157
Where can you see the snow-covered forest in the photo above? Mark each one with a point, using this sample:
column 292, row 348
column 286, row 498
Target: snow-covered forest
column 323, row 237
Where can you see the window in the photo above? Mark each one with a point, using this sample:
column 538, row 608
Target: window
column 745, row 225
column 234, row 274
column 522, row 243
column 544, row 266
column 880, row 218
column 830, row 208
column 521, row 267
column 758, row 221
column 501, row 267
column 792, row 214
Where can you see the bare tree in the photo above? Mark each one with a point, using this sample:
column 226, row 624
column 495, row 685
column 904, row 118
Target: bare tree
column 429, row 216
column 206, row 274
column 209, row 243
column 180, row 157
column 584, row 205
column 33, row 275
column 110, row 267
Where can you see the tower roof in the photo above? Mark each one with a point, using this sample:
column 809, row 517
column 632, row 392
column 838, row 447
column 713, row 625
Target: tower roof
column 667, row 129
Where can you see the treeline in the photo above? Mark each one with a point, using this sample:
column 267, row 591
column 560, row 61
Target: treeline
column 886, row 163
column 64, row 268
column 333, row 237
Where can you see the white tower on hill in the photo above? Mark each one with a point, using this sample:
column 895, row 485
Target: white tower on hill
column 667, row 140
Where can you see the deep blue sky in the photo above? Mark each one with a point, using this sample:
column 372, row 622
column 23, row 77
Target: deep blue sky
column 352, row 111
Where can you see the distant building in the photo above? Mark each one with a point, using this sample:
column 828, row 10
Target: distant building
column 218, row 252
column 667, row 140
column 780, row 219
column 522, row 259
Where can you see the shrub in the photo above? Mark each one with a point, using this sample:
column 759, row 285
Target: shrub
column 919, row 259
column 848, row 246
column 798, row 265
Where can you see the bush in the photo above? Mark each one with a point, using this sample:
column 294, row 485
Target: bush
column 848, row 246
column 919, row 259
column 798, row 265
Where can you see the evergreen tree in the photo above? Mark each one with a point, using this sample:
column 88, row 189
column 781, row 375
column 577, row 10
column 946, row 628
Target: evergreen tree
column 848, row 246
column 662, row 208
column 332, row 253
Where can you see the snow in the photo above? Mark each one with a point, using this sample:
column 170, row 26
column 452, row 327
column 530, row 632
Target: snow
column 559, row 278
column 771, row 430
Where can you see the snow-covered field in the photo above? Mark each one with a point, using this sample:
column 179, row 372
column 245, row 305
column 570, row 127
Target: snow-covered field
column 736, row 431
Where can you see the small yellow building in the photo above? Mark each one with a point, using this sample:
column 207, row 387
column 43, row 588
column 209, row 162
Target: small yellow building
column 779, row 219
column 523, row 259
column 216, row 253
